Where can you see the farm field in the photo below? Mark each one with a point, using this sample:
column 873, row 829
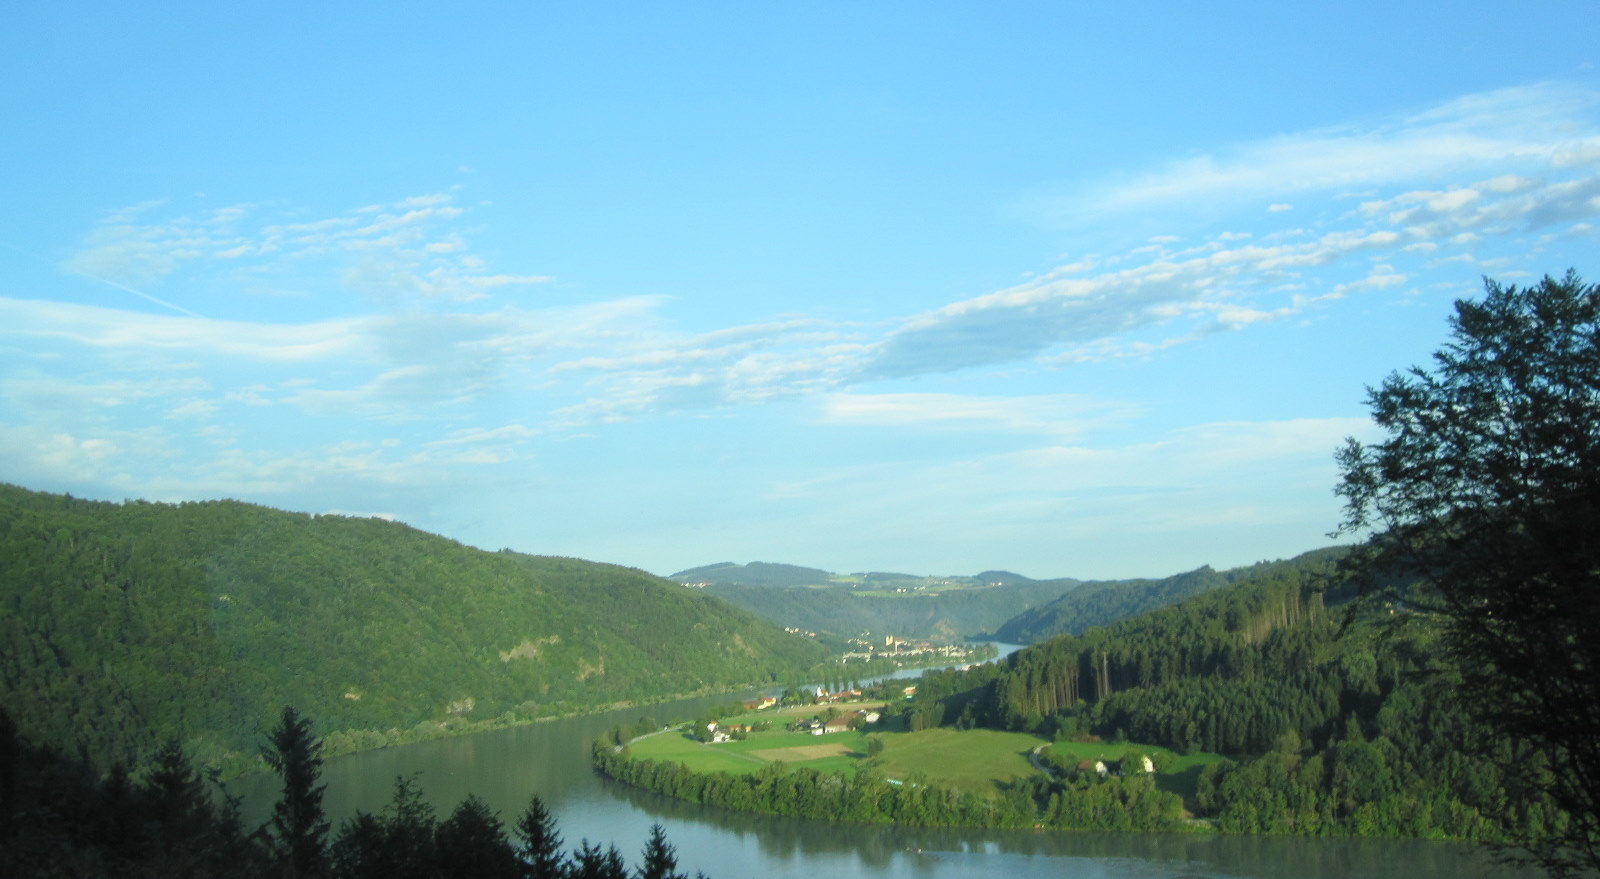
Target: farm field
column 835, row 752
column 977, row 761
column 974, row 760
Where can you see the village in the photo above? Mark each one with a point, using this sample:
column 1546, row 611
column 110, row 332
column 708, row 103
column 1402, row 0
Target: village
column 908, row 651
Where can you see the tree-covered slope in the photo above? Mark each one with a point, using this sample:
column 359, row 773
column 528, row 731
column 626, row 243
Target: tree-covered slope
column 1101, row 603
column 1332, row 725
column 123, row 624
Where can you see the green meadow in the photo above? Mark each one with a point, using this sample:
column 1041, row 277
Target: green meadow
column 978, row 761
column 974, row 760
column 835, row 752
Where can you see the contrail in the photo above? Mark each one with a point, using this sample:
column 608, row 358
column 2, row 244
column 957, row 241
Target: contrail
column 139, row 293
column 123, row 287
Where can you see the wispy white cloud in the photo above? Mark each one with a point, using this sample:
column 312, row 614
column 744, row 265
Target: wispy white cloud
column 1106, row 308
column 109, row 328
column 406, row 252
column 1542, row 124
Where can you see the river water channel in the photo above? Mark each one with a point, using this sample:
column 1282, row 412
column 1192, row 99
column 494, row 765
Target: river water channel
column 504, row 767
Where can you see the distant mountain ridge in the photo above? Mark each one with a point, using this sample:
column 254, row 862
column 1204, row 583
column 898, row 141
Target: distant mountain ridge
column 124, row 624
column 995, row 604
column 875, row 603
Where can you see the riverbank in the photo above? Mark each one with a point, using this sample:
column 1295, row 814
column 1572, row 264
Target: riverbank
column 931, row 778
column 550, row 758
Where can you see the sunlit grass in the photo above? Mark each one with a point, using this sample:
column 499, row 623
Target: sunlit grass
column 975, row 760
column 978, row 761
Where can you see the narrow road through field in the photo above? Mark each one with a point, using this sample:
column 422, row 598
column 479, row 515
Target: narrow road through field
column 1033, row 757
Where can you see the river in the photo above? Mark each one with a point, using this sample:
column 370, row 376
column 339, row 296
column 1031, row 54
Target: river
column 504, row 767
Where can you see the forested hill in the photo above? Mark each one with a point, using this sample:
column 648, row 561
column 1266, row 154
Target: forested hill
column 124, row 624
column 1331, row 725
column 1099, row 603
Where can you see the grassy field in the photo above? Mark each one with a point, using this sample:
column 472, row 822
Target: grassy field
column 975, row 760
column 834, row 752
column 970, row 760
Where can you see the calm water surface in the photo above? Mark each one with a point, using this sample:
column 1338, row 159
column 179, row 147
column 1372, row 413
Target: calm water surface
column 504, row 767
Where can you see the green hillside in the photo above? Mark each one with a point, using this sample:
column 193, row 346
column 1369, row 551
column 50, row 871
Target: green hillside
column 1332, row 725
column 123, row 624
column 1101, row 603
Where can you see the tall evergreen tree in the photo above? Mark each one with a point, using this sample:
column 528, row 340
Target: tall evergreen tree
column 472, row 844
column 660, row 858
column 540, row 843
column 409, row 830
column 298, row 827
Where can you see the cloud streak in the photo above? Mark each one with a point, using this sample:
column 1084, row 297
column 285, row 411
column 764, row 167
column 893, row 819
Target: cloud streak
column 405, row 253
column 1542, row 124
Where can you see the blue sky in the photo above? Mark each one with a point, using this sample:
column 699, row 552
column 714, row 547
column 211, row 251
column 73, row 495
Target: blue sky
column 928, row 287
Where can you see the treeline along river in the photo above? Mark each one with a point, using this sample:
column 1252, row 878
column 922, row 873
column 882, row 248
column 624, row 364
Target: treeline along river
column 504, row 767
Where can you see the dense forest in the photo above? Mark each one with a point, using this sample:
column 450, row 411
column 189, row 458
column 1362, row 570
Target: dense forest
column 1333, row 724
column 122, row 625
column 1102, row 602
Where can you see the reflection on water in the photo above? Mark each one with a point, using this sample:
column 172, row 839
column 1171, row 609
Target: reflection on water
column 505, row 767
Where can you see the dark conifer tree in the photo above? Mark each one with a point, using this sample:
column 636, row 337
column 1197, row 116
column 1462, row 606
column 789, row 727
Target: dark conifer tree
column 357, row 852
column 186, row 836
column 298, row 828
column 612, row 865
column 587, row 860
column 409, row 829
column 660, row 858
column 472, row 844
column 540, row 843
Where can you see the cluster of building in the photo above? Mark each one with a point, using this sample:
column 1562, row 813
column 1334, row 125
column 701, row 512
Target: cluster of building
column 842, row 723
column 725, row 732
column 892, row 646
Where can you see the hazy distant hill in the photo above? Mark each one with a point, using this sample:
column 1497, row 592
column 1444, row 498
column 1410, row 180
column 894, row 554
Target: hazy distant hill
column 122, row 624
column 1003, row 578
column 920, row 611
column 1104, row 602
column 876, row 602
column 1001, row 604
column 761, row 574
